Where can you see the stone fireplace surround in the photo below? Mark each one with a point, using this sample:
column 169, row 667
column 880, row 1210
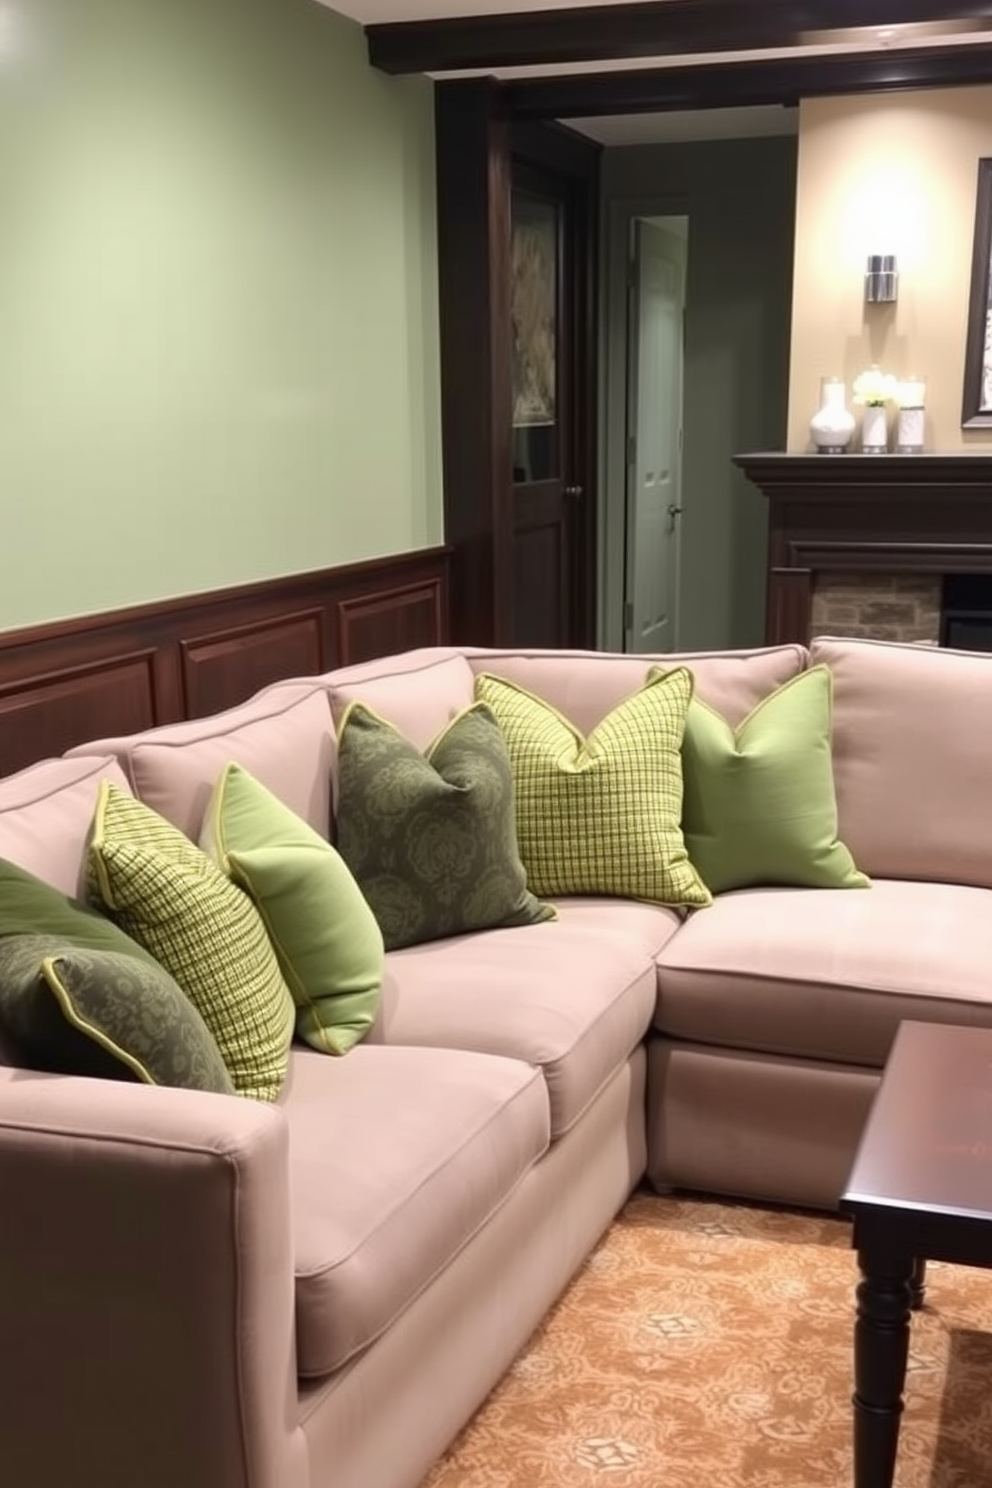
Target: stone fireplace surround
column 860, row 545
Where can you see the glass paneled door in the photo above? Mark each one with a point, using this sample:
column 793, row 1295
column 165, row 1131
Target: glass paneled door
column 548, row 492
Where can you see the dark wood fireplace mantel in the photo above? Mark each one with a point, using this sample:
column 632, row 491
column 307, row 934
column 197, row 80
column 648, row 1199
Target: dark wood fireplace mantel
column 929, row 513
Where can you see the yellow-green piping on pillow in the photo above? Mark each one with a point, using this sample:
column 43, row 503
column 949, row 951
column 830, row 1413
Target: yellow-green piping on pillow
column 431, row 838
column 325, row 936
column 759, row 805
column 51, row 971
column 601, row 815
column 164, row 892
column 82, row 1010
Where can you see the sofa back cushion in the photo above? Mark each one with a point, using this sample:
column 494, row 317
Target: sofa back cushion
column 586, row 685
column 419, row 692
column 282, row 737
column 46, row 812
column 911, row 752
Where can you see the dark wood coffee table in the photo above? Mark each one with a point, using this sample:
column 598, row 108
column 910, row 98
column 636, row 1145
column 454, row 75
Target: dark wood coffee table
column 920, row 1189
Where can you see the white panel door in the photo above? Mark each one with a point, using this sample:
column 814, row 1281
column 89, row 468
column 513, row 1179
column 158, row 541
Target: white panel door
column 654, row 411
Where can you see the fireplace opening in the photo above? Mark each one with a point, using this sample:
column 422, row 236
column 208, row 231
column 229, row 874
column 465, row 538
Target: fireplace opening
column 966, row 612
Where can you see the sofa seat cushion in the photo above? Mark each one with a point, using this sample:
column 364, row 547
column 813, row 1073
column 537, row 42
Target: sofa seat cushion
column 633, row 922
column 826, row 974
column 567, row 996
column 397, row 1158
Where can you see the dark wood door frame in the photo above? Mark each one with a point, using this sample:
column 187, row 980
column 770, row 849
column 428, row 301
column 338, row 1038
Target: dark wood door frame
column 477, row 151
column 473, row 220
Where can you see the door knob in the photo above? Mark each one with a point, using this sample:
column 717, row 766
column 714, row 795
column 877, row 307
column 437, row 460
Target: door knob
column 674, row 511
column 573, row 491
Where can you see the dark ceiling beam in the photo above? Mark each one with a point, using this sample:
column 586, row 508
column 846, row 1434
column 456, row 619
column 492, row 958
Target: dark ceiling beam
column 657, row 28
column 738, row 84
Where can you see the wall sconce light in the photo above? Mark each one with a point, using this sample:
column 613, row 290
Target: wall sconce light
column 881, row 279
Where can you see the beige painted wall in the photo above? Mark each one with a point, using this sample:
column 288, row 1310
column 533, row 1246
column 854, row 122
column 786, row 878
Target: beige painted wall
column 893, row 173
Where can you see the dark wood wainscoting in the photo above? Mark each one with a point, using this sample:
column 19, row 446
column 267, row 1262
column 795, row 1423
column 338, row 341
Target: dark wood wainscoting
column 124, row 670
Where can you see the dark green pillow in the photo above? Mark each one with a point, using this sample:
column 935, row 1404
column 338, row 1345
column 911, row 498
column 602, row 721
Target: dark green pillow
column 80, row 1011
column 30, row 906
column 432, row 838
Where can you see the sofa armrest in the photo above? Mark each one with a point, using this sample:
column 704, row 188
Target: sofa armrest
column 146, row 1288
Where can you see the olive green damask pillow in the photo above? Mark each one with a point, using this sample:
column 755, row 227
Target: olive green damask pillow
column 78, row 1010
column 431, row 838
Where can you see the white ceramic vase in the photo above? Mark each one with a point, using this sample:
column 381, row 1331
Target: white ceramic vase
column 833, row 422
column 875, row 429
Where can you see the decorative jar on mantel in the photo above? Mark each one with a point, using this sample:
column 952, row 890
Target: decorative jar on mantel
column 910, row 421
column 874, row 429
column 833, row 422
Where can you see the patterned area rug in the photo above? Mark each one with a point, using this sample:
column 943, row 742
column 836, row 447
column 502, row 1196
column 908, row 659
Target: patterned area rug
column 709, row 1345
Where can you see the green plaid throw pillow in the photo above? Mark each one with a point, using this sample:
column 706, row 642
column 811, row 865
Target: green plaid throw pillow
column 166, row 894
column 601, row 815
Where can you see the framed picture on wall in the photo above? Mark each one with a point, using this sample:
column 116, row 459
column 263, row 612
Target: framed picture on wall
column 976, row 410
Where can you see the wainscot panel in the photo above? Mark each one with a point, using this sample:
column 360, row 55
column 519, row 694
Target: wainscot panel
column 114, row 673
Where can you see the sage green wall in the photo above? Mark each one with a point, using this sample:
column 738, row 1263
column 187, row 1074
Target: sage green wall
column 218, row 302
column 740, row 197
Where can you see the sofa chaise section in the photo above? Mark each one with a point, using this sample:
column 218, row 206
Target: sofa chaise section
column 777, row 1007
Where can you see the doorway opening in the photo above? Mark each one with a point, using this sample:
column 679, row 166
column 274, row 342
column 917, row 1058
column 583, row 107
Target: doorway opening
column 653, row 489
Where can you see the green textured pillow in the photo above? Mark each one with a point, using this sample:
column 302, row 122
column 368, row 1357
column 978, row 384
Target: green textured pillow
column 80, row 1011
column 202, row 928
column 601, row 815
column 431, row 838
column 324, row 934
column 759, row 804
column 28, row 905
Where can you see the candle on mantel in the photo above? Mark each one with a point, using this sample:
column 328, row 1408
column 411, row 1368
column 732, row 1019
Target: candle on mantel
column 910, row 424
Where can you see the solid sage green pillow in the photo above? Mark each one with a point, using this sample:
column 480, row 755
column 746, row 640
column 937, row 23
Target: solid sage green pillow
column 431, row 838
column 601, row 815
column 28, row 905
column 759, row 806
column 80, row 1011
column 324, row 934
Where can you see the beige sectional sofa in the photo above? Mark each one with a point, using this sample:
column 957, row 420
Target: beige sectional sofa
column 203, row 1290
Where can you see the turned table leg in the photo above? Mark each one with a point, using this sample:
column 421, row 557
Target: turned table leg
column 918, row 1283
column 881, row 1348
